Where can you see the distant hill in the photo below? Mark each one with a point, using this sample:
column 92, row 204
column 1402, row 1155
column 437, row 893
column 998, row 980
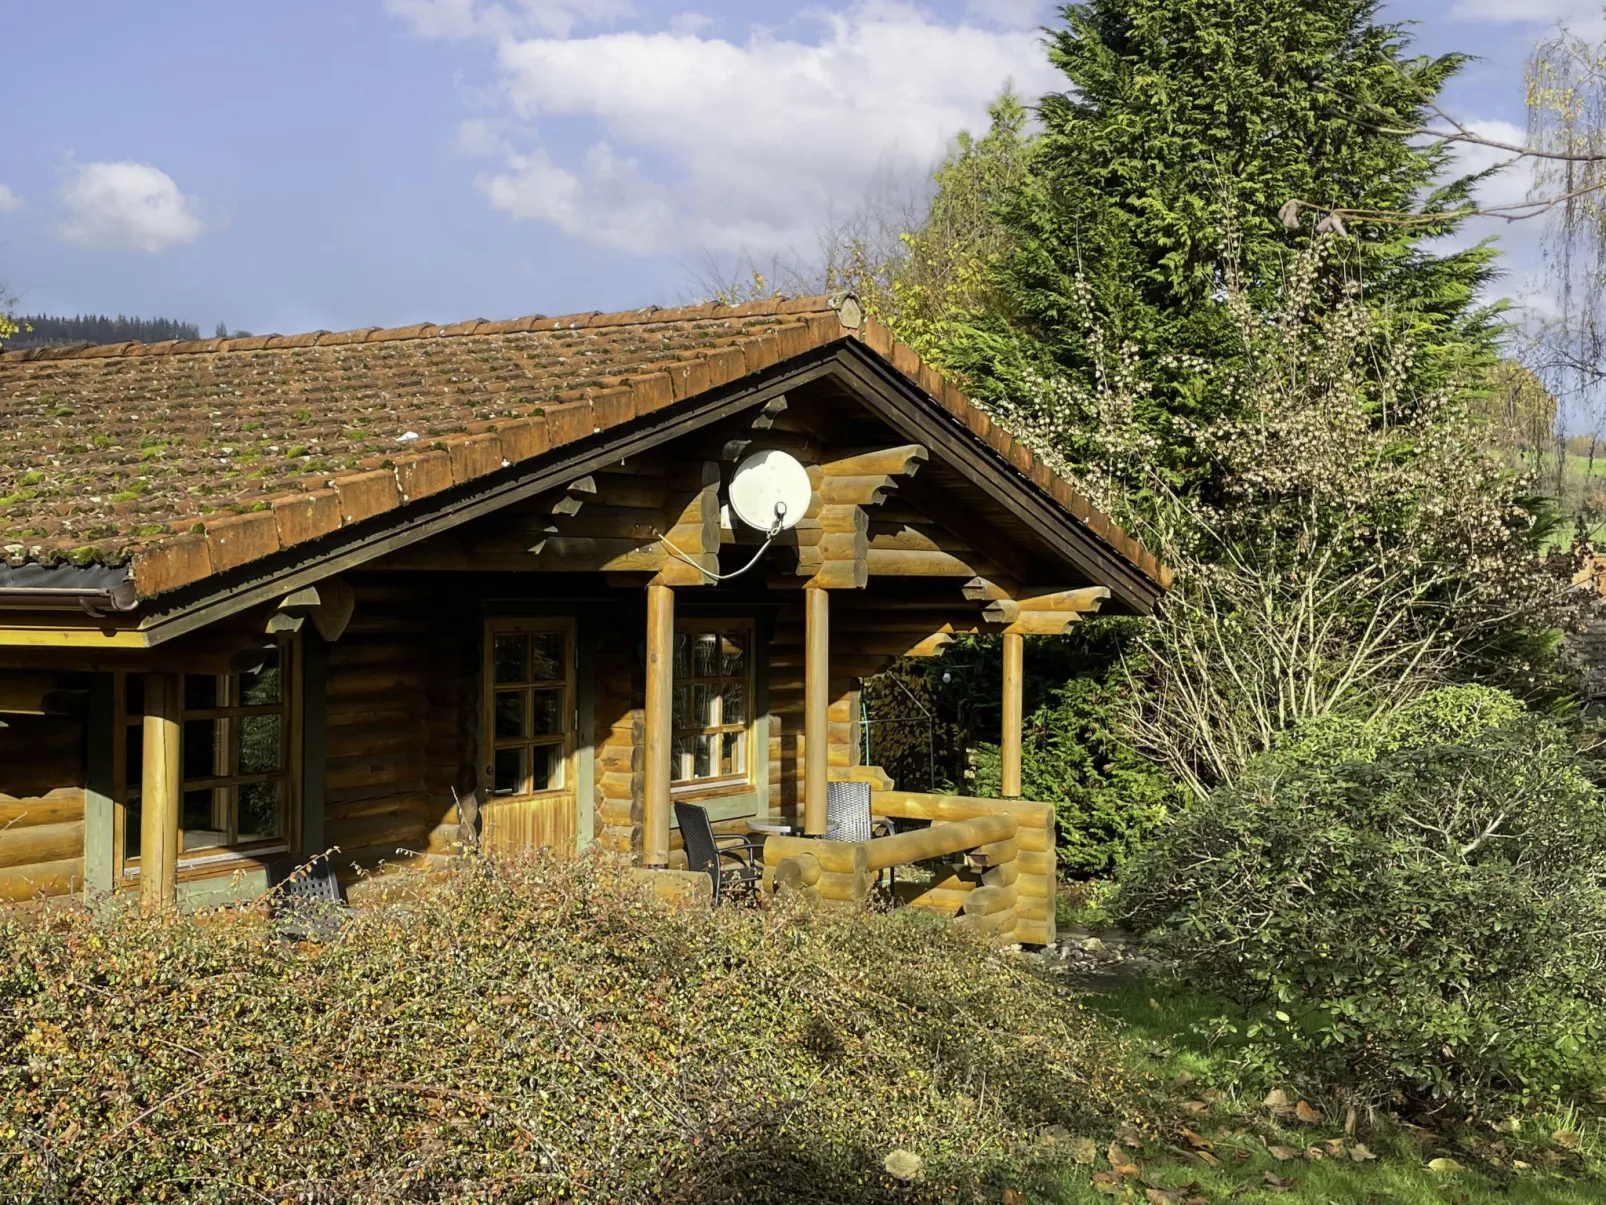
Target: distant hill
column 43, row 330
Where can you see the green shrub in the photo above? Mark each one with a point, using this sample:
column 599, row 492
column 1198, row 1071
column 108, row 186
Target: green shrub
column 1076, row 754
column 531, row 1031
column 1425, row 924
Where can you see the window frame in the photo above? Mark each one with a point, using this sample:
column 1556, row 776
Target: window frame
column 723, row 784
column 566, row 741
column 128, row 727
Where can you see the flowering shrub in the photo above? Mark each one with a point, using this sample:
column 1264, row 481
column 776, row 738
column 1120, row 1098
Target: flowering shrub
column 535, row 1030
column 1355, row 538
column 1411, row 909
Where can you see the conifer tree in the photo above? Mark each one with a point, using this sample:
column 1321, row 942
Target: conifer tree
column 1185, row 131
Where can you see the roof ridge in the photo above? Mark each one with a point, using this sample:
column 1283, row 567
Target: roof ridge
column 773, row 306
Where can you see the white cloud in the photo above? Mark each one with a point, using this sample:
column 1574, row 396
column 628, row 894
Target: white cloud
column 126, row 206
column 10, row 202
column 704, row 142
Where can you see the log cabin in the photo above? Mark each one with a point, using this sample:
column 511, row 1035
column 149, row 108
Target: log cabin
column 396, row 593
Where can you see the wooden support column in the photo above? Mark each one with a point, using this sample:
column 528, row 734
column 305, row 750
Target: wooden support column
column 160, row 786
column 816, row 708
column 1014, row 667
column 657, row 771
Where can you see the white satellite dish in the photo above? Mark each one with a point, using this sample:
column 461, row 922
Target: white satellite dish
column 770, row 491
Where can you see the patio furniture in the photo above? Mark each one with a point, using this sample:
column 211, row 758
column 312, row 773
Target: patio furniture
column 707, row 851
column 848, row 818
column 311, row 901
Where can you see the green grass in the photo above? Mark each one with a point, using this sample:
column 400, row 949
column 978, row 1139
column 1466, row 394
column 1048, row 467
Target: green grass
column 1239, row 1128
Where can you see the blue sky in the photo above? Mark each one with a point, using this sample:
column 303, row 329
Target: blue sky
column 336, row 163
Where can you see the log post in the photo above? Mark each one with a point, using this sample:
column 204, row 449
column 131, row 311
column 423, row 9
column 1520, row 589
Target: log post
column 816, row 709
column 1014, row 673
column 160, row 787
column 658, row 770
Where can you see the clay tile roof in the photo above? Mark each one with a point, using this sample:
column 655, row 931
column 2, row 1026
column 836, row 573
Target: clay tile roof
column 191, row 457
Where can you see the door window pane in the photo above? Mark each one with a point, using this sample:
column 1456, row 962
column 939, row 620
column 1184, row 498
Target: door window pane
column 261, row 811
column 509, row 714
column 733, row 708
column 733, row 655
column 546, row 657
column 508, row 658
column 546, row 770
column 704, row 706
column 546, row 713
column 507, row 775
column 705, row 655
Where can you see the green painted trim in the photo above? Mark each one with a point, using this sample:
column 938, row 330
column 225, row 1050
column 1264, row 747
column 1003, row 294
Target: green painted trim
column 585, row 737
column 724, row 807
column 232, row 887
column 100, row 811
column 314, row 683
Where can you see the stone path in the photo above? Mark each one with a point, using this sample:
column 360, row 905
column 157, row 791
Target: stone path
column 1095, row 960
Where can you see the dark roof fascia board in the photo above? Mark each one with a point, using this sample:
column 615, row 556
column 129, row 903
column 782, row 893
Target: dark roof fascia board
column 259, row 582
column 911, row 413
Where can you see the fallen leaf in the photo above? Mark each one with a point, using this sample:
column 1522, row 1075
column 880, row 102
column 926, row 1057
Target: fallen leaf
column 904, row 1165
column 1566, row 1138
column 1278, row 1183
column 1107, row 1182
column 1335, row 1146
column 1159, row 1196
column 1276, row 1099
column 1350, row 1119
column 1282, row 1152
column 1509, row 1126
column 1182, row 1080
column 1120, row 1164
column 1083, row 1151
column 1207, row 1158
column 1314, row 1154
column 1129, row 1135
column 1443, row 1165
column 1198, row 1141
column 1241, row 1156
column 1521, row 1166
column 1360, row 1154
column 1306, row 1114
column 1194, row 1107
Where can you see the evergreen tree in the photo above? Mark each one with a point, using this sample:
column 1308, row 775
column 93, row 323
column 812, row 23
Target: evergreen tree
column 1186, row 130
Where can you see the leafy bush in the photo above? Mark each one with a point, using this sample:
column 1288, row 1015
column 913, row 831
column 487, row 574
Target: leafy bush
column 1410, row 909
column 1075, row 754
column 531, row 1031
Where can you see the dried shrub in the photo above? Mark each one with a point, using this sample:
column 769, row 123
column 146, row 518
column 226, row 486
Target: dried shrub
column 535, row 1030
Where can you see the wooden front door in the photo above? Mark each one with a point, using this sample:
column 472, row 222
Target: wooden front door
column 527, row 769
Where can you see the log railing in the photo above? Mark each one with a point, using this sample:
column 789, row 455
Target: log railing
column 1003, row 887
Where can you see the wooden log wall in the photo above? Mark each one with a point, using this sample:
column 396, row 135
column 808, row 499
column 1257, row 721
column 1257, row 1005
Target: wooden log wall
column 620, row 725
column 396, row 732
column 41, row 806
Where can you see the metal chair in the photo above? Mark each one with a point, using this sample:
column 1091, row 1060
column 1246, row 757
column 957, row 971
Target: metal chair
column 312, row 901
column 706, row 851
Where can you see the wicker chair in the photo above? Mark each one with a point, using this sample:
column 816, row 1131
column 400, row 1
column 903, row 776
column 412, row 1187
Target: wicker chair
column 848, row 818
column 706, row 851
